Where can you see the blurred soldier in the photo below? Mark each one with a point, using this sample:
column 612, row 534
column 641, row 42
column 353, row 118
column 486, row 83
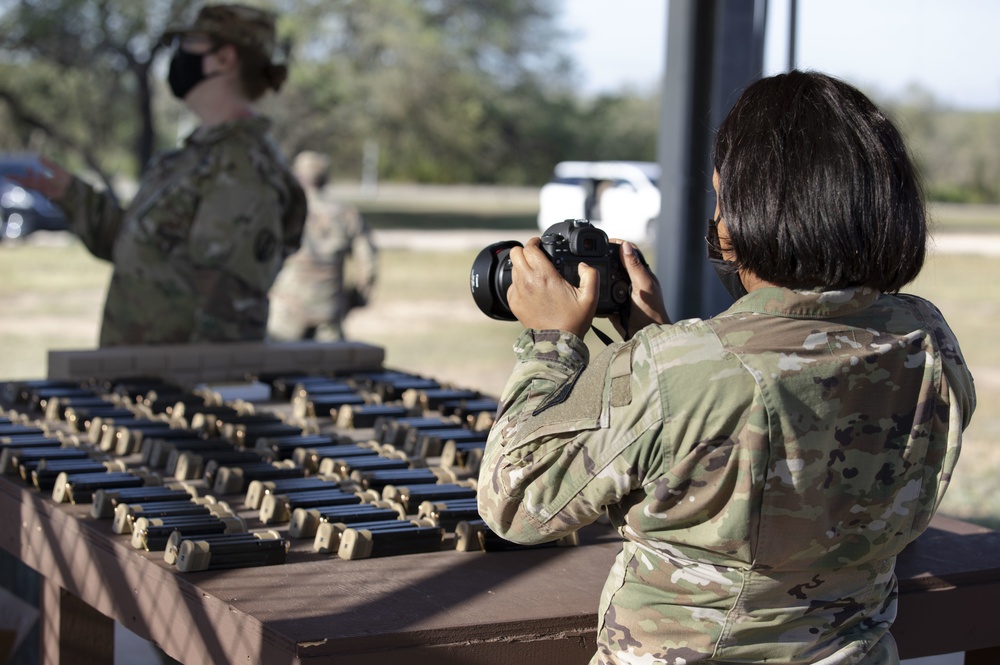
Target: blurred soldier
column 204, row 238
column 314, row 292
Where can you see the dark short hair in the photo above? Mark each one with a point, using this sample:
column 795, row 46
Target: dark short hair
column 816, row 187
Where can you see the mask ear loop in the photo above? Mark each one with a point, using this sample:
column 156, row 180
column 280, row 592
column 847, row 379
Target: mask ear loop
column 712, row 239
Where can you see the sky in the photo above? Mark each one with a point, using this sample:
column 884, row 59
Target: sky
column 948, row 47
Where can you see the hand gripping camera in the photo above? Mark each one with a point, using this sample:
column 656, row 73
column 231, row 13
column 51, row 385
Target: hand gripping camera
column 567, row 244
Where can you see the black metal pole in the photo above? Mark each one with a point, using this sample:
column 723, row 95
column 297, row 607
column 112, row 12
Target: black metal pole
column 793, row 26
column 715, row 48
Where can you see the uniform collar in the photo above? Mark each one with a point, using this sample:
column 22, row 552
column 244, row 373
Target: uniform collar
column 205, row 135
column 777, row 301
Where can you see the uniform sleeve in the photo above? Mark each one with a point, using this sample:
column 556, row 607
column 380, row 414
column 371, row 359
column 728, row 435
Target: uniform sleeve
column 93, row 216
column 235, row 246
column 571, row 438
column 958, row 390
column 364, row 256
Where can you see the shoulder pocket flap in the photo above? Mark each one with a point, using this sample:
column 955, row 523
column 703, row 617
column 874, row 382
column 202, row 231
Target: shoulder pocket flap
column 579, row 400
column 621, row 376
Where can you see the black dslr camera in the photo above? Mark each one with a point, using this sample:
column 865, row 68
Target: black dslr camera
column 568, row 244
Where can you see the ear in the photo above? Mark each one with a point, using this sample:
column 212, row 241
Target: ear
column 227, row 57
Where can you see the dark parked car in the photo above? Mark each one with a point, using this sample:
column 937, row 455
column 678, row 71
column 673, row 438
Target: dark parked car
column 23, row 211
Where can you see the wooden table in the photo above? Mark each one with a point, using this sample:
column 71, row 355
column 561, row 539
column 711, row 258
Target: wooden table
column 949, row 593
column 437, row 607
column 500, row 608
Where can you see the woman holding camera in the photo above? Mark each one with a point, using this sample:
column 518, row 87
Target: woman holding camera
column 763, row 467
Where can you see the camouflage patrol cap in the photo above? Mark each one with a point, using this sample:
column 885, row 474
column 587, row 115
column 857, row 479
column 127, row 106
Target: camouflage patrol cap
column 234, row 24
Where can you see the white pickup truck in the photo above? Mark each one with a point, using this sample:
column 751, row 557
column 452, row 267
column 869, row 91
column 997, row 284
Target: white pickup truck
column 620, row 198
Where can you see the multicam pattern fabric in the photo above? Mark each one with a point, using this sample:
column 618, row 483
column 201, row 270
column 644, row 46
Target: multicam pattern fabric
column 233, row 24
column 201, row 243
column 764, row 468
column 310, row 297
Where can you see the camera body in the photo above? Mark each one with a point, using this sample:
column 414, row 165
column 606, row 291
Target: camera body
column 567, row 244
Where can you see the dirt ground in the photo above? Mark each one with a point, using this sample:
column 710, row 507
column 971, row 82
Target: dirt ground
column 69, row 318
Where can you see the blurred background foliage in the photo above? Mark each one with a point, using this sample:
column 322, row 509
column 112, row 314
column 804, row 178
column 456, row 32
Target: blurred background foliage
column 415, row 91
column 425, row 91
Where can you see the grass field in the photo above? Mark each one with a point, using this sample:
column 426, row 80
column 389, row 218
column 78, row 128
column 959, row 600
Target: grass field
column 423, row 316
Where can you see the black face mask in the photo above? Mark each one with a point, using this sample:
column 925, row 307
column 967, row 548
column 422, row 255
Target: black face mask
column 186, row 71
column 729, row 277
column 724, row 270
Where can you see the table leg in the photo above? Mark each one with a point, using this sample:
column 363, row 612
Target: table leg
column 72, row 631
column 987, row 656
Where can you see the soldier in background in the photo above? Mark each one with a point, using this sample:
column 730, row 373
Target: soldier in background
column 334, row 270
column 200, row 245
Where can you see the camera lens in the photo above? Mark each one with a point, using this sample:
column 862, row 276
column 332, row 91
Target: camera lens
column 491, row 277
column 566, row 244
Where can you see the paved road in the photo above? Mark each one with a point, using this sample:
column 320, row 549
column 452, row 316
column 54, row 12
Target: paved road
column 983, row 244
column 447, row 240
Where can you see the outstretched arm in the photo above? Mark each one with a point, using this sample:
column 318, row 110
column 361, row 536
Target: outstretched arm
column 52, row 183
column 93, row 216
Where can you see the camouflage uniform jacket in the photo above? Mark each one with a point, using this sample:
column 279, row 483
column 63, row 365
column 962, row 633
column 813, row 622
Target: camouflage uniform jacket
column 763, row 467
column 202, row 241
column 310, row 291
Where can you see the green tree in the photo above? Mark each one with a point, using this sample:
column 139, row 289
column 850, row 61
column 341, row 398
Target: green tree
column 955, row 150
column 431, row 83
column 79, row 73
column 441, row 90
